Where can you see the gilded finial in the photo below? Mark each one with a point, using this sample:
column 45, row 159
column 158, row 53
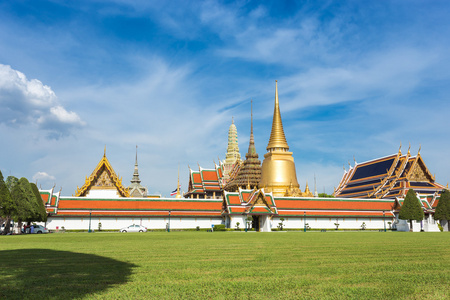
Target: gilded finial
column 447, row 184
column 420, row 147
column 409, row 148
column 400, row 148
column 104, row 152
column 277, row 137
column 354, row 159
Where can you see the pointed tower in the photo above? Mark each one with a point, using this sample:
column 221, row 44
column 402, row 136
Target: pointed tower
column 135, row 188
column 278, row 169
column 250, row 173
column 233, row 156
column 178, row 196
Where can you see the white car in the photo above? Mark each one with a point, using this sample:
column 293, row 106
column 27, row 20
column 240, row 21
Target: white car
column 134, row 228
column 39, row 229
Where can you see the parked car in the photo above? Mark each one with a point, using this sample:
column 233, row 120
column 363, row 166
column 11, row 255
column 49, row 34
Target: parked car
column 39, row 229
column 134, row 228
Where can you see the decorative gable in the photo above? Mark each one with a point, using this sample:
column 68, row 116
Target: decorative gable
column 258, row 204
column 102, row 178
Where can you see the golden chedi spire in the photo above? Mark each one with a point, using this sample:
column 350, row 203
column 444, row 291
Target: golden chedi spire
column 278, row 173
column 277, row 137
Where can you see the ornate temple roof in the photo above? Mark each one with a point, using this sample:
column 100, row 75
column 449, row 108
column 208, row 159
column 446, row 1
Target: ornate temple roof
column 260, row 202
column 205, row 181
column 246, row 201
column 387, row 177
column 249, row 172
column 103, row 177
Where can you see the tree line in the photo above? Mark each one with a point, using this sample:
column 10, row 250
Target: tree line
column 20, row 201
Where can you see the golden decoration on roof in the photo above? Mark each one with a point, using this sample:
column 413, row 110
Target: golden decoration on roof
column 103, row 176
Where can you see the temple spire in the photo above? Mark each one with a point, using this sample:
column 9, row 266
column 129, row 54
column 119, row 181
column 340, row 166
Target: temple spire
column 135, row 178
column 251, row 145
column 277, row 137
column 178, row 184
column 250, row 171
column 135, row 188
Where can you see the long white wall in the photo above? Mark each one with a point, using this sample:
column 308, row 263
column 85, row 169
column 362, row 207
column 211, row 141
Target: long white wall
column 77, row 223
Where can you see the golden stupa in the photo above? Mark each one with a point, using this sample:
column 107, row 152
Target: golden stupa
column 278, row 173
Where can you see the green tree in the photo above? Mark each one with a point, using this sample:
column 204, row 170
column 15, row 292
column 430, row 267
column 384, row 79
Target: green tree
column 42, row 212
column 21, row 194
column 11, row 181
column 6, row 203
column 325, row 195
column 443, row 208
column 411, row 209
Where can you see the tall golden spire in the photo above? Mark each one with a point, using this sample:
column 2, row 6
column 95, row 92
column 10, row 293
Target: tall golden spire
column 278, row 174
column 277, row 137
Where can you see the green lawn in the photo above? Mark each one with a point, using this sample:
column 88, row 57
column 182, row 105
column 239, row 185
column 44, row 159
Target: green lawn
column 336, row 265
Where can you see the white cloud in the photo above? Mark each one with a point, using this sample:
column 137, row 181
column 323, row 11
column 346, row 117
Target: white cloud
column 30, row 102
column 42, row 177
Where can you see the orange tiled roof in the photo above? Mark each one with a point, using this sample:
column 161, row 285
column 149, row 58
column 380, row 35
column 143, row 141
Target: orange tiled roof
column 133, row 206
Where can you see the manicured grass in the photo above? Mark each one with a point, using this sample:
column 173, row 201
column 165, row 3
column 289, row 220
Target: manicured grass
column 331, row 265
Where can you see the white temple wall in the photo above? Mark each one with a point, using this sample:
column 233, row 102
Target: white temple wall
column 328, row 223
column 111, row 223
column 105, row 194
column 235, row 219
column 266, row 223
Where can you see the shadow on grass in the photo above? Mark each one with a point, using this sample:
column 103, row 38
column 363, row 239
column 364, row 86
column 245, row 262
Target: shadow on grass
column 44, row 274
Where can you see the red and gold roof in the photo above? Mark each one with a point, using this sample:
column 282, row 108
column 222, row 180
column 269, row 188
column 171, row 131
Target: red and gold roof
column 103, row 177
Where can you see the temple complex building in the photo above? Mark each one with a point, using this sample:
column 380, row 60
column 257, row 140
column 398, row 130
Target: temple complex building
column 388, row 177
column 264, row 197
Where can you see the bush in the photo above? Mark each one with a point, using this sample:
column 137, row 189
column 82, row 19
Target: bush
column 220, row 227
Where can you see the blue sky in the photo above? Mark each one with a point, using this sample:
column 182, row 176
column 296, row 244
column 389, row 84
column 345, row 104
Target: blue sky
column 355, row 79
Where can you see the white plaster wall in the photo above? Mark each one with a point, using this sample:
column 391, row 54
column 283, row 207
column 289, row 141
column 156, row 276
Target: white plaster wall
column 77, row 223
column 265, row 224
column 327, row 223
column 427, row 225
column 234, row 219
column 107, row 194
